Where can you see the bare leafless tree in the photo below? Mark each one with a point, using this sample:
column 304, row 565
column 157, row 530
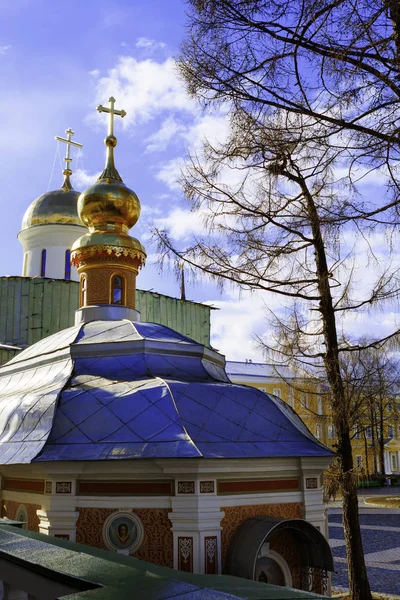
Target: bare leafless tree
column 372, row 385
column 312, row 89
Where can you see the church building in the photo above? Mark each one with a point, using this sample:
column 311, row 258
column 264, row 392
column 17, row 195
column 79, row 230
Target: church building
column 44, row 300
column 128, row 435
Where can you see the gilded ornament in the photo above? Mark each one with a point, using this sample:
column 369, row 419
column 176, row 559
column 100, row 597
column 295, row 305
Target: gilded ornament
column 79, row 253
column 109, row 209
column 109, row 203
column 59, row 206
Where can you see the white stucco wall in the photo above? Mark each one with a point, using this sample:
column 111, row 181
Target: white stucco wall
column 56, row 240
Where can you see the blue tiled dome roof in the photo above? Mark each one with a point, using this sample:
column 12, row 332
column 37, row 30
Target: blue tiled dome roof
column 123, row 390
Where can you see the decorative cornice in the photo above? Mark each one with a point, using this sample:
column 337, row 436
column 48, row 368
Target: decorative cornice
column 117, row 251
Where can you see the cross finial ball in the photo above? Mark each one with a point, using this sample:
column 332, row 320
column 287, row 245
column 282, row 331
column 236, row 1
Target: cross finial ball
column 111, row 111
column 69, row 143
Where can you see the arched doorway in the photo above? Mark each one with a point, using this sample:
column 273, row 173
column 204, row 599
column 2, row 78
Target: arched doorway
column 287, row 552
column 270, row 567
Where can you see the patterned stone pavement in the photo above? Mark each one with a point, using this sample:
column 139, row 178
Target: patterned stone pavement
column 381, row 539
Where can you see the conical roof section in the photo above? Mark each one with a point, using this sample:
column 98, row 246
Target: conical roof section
column 109, row 390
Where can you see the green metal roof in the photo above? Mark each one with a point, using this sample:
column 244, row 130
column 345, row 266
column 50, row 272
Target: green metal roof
column 119, row 577
column 32, row 308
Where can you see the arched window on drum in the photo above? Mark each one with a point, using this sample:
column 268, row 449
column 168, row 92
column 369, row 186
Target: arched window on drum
column 83, row 290
column 117, row 289
column 68, row 264
column 43, row 264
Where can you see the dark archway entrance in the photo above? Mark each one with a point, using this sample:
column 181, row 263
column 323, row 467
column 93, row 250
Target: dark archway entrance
column 281, row 551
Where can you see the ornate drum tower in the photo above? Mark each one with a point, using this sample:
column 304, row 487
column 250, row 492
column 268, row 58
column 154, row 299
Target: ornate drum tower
column 51, row 225
column 107, row 258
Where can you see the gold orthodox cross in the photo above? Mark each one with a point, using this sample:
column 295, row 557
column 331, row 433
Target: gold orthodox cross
column 69, row 143
column 111, row 111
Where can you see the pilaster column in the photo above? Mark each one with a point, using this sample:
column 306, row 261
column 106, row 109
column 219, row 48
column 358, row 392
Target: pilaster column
column 196, row 527
column 314, row 509
column 60, row 518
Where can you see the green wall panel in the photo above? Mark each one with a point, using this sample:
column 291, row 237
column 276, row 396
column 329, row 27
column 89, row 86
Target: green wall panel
column 33, row 308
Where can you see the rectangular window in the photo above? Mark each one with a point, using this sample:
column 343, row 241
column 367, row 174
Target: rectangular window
column 318, row 432
column 319, row 401
column 368, row 433
column 117, row 289
column 394, row 464
column 304, row 400
column 277, row 392
column 359, row 461
column 43, row 264
column 390, row 406
column 390, row 431
column 291, row 397
column 331, row 432
column 357, row 433
column 67, row 264
column 83, row 290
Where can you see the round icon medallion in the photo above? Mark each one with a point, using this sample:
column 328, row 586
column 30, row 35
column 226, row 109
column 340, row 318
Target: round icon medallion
column 123, row 531
column 22, row 516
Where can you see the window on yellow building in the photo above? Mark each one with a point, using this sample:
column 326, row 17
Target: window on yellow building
column 357, row 433
column 277, row 392
column 390, row 431
column 390, row 406
column 394, row 463
column 319, row 401
column 318, row 432
column 304, row 399
column 359, row 461
column 291, row 397
column 331, row 432
column 368, row 433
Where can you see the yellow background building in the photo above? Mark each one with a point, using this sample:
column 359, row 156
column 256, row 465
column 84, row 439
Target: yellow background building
column 311, row 402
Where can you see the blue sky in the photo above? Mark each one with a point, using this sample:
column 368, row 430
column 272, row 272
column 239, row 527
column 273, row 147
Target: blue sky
column 58, row 60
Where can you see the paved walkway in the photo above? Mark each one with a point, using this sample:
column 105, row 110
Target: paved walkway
column 380, row 530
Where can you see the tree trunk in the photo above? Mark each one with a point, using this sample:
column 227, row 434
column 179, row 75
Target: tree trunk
column 394, row 13
column 373, row 440
column 358, row 580
column 381, row 440
column 366, row 455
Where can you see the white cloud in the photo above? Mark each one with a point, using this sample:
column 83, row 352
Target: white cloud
column 169, row 173
column 152, row 93
column 148, row 90
column 81, row 179
column 150, row 45
column 4, row 49
column 160, row 140
column 145, row 89
column 213, row 127
column 147, row 210
column 182, row 223
column 240, row 315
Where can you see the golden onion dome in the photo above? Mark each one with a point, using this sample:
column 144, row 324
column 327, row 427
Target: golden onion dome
column 111, row 239
column 109, row 204
column 58, row 207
